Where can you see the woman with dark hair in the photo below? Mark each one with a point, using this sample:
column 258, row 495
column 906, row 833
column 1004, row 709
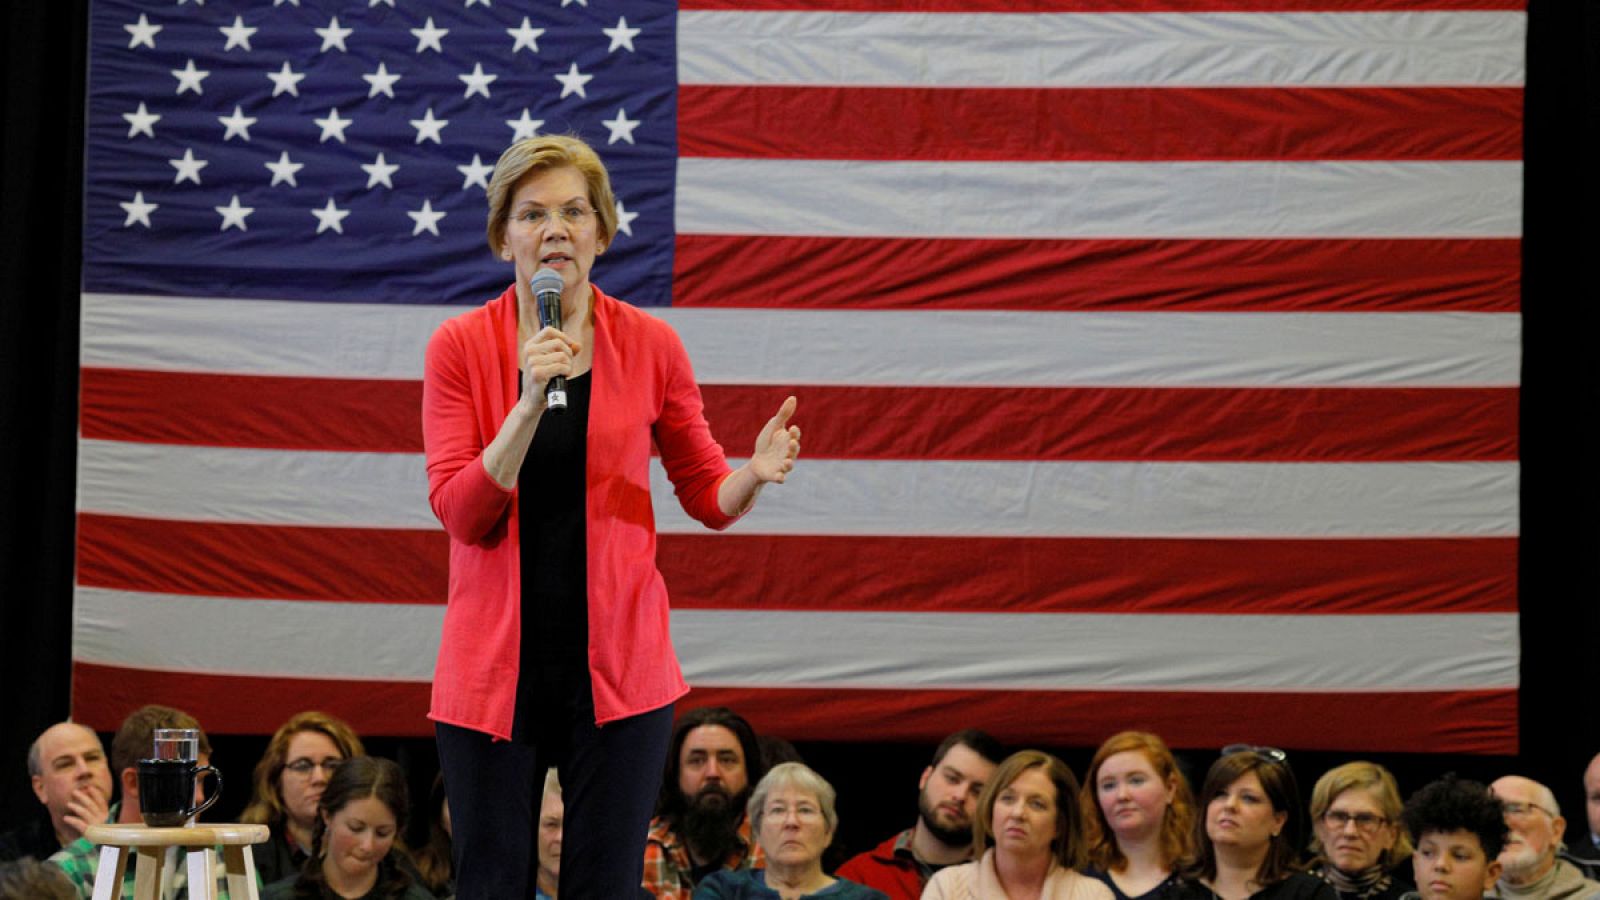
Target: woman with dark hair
column 1247, row 845
column 289, row 781
column 1138, row 816
column 432, row 859
column 1027, row 836
column 1357, row 842
column 356, row 849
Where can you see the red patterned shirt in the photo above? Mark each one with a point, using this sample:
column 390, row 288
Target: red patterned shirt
column 668, row 871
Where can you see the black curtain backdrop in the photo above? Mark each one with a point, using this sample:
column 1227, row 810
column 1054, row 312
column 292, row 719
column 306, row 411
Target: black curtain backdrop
column 41, row 197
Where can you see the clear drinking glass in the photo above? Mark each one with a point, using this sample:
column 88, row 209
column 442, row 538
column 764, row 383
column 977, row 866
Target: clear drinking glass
column 182, row 744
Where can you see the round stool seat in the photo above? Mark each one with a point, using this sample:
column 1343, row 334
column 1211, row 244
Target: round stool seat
column 152, row 871
column 197, row 836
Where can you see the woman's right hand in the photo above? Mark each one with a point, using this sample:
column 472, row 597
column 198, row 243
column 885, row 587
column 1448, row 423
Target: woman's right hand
column 542, row 357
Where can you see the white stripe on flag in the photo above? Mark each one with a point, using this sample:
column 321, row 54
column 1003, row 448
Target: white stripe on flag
column 1099, row 199
column 855, row 650
column 831, row 496
column 1102, row 49
column 856, row 347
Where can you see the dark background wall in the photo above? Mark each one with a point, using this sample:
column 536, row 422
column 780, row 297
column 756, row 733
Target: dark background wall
column 42, row 46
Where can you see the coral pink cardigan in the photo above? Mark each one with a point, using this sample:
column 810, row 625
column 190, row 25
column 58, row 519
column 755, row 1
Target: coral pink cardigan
column 641, row 388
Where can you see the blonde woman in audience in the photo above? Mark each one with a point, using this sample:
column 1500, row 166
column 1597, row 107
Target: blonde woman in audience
column 1357, row 841
column 1027, row 836
column 289, row 780
column 1138, row 817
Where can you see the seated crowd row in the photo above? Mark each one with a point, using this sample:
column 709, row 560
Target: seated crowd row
column 735, row 819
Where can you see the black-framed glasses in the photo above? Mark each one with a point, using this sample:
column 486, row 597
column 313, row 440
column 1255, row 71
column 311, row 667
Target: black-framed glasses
column 1365, row 822
column 1272, row 754
column 303, row 766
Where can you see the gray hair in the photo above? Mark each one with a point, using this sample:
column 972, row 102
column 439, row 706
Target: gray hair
column 552, row 782
column 793, row 775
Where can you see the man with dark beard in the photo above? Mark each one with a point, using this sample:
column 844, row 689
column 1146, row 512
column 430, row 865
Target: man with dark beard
column 946, row 801
column 700, row 824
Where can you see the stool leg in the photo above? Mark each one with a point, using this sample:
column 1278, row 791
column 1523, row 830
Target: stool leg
column 147, row 873
column 109, row 874
column 202, row 881
column 241, row 866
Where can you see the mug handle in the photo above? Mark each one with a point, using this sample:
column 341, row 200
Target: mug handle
column 200, row 772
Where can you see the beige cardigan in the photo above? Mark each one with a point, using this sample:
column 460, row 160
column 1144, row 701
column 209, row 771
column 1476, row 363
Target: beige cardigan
column 979, row 881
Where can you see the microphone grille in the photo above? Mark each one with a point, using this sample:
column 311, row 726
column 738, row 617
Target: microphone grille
column 546, row 279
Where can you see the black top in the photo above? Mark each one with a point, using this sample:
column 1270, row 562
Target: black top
column 35, row 838
column 1167, row 889
column 552, row 487
column 1298, row 886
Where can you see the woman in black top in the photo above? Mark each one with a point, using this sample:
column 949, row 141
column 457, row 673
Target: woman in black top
column 1357, row 844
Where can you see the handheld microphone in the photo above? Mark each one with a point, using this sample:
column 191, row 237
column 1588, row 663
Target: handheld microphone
column 546, row 286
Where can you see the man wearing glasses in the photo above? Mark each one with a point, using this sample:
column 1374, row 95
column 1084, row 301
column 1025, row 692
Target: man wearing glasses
column 1530, row 869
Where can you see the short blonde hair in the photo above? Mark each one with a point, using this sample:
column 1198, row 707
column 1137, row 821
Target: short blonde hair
column 541, row 154
column 1375, row 779
column 792, row 775
column 1067, row 845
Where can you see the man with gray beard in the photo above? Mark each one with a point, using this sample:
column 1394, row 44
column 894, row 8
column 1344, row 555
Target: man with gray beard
column 1530, row 868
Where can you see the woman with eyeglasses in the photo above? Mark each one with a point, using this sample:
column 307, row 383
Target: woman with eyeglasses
column 289, row 780
column 1357, row 843
column 1247, row 845
column 1138, row 816
column 557, row 619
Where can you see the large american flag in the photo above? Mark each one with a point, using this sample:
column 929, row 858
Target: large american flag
column 1158, row 361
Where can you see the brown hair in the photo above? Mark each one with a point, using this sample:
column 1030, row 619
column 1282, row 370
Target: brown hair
column 356, row 779
column 1068, row 842
column 266, row 806
column 542, row 154
column 433, row 858
column 1371, row 777
column 1177, row 825
column 134, row 739
column 1278, row 781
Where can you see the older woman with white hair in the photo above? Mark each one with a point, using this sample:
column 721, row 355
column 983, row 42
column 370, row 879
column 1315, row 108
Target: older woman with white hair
column 792, row 816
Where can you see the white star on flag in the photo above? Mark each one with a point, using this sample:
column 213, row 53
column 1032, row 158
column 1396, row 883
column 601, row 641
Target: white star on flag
column 142, row 32
column 189, row 77
column 564, row 3
column 329, row 217
column 281, row 2
column 233, row 214
column 382, row 82
column 470, row 2
column 284, row 80
column 525, row 36
column 138, row 210
column 428, row 36
column 238, row 123
column 378, row 172
column 333, row 126
column 625, row 219
column 428, row 128
column 524, row 127
column 476, row 173
column 333, row 35
column 573, row 82
column 621, row 36
column 283, row 170
column 427, row 219
column 621, row 127
column 143, row 120
column 372, row 3
column 476, row 81
column 188, row 167
column 238, row 34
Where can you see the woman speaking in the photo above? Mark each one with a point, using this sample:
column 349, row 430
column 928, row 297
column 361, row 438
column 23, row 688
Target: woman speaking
column 555, row 649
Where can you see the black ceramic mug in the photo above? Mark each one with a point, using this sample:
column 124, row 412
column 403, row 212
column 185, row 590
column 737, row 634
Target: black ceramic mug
column 166, row 791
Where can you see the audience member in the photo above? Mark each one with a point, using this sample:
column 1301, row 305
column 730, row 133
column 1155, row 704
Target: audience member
column 1138, row 817
column 1459, row 831
column 1584, row 851
column 700, row 825
column 1028, row 836
column 1529, row 866
column 135, row 740
column 947, row 797
column 792, row 814
column 433, row 859
column 1357, row 841
column 552, row 815
column 30, row 879
column 1248, row 844
column 289, row 781
column 354, row 850
column 67, row 766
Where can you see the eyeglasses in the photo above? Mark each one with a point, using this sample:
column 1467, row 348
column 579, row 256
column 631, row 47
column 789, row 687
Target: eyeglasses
column 1516, row 808
column 303, row 766
column 1272, row 754
column 575, row 215
column 1366, row 823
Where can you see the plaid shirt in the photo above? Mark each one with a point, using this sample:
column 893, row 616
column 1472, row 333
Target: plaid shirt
column 668, row 871
column 81, row 860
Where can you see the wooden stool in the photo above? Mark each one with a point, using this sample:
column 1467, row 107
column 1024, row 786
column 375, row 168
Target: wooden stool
column 151, row 845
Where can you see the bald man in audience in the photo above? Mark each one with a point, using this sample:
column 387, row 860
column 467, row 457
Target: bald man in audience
column 70, row 776
column 1530, row 868
column 1583, row 850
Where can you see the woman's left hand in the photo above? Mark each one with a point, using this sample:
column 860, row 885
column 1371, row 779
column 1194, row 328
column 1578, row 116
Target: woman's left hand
column 777, row 447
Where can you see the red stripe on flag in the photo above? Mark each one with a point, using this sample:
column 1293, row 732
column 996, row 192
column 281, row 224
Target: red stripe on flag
column 379, row 415
column 1167, row 275
column 1479, row 722
column 1103, row 6
column 1121, row 124
column 904, row 574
